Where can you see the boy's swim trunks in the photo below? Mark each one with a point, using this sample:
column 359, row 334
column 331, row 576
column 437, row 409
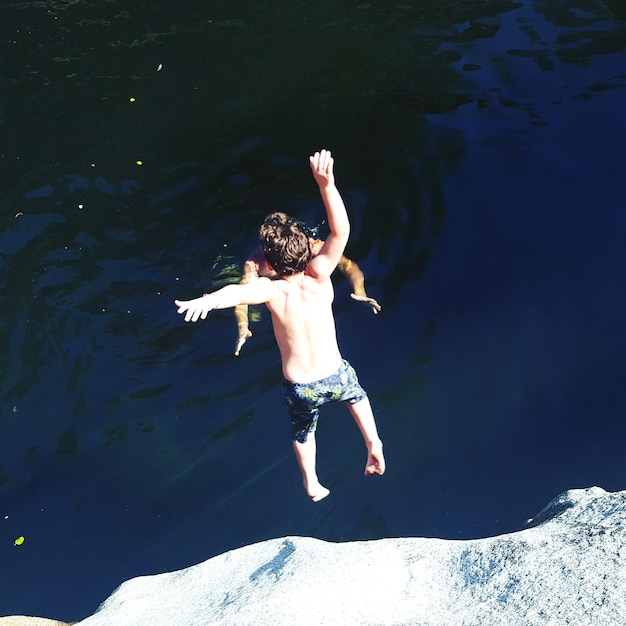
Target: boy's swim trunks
column 304, row 399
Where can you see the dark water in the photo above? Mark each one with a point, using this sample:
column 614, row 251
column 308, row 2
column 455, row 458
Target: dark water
column 479, row 148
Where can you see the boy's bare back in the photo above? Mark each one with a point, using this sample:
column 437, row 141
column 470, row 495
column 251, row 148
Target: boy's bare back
column 304, row 327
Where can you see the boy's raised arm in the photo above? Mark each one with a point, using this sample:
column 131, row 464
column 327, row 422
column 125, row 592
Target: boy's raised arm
column 323, row 265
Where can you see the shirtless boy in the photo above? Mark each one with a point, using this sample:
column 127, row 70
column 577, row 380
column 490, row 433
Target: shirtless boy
column 256, row 266
column 300, row 303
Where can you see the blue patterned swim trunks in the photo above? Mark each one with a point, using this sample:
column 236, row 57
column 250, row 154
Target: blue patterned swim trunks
column 304, row 399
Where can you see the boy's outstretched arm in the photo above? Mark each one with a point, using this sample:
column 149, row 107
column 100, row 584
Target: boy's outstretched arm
column 323, row 265
column 256, row 292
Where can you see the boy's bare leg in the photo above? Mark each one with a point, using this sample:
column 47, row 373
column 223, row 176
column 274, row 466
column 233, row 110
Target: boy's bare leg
column 306, row 453
column 364, row 418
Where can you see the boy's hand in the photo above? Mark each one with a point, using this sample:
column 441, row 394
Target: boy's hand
column 196, row 308
column 322, row 168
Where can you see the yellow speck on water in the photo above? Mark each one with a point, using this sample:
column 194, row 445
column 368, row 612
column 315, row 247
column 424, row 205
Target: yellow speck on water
column 139, row 162
column 19, row 541
column 131, row 100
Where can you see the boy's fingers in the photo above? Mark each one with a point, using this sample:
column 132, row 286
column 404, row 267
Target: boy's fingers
column 326, row 161
column 321, row 161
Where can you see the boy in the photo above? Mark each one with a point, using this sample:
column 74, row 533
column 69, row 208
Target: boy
column 300, row 303
column 256, row 266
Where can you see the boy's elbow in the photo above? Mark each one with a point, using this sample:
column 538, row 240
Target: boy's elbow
column 345, row 235
column 342, row 231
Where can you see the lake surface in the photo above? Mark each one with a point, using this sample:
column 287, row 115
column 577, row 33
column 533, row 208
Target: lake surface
column 479, row 149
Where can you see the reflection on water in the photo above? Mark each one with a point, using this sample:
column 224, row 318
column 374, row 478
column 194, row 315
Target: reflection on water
column 140, row 148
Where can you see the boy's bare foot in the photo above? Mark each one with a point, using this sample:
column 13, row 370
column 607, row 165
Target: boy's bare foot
column 375, row 460
column 316, row 491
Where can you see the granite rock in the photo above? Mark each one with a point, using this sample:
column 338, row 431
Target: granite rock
column 567, row 566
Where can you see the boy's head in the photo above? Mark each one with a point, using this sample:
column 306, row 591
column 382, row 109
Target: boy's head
column 285, row 244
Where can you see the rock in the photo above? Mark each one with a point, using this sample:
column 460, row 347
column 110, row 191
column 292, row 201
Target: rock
column 567, row 567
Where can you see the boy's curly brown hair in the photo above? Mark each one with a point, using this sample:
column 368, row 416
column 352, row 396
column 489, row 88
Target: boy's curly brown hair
column 285, row 244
